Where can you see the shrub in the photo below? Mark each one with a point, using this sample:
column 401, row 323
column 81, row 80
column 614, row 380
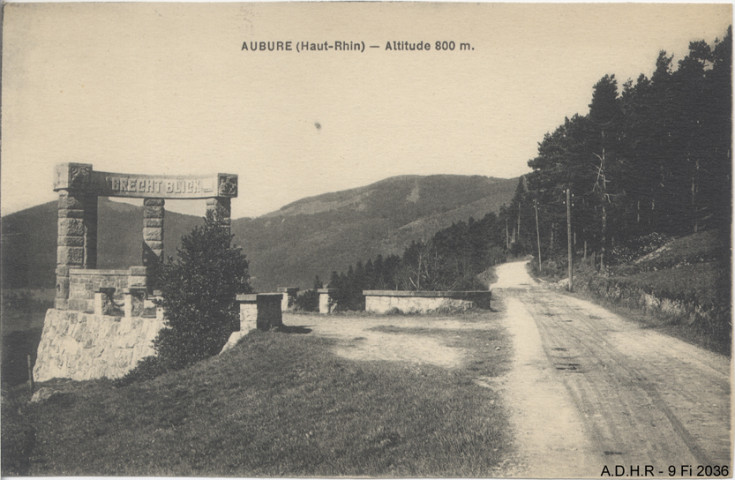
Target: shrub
column 198, row 290
column 307, row 301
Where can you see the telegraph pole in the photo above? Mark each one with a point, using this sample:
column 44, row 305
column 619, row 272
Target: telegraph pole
column 538, row 237
column 569, row 238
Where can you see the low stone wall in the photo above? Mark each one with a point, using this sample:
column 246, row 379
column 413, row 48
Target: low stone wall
column 83, row 346
column 384, row 301
column 84, row 283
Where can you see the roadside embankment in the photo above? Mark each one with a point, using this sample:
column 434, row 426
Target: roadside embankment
column 683, row 287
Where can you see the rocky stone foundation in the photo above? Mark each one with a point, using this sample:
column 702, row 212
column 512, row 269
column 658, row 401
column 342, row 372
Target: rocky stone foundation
column 83, row 346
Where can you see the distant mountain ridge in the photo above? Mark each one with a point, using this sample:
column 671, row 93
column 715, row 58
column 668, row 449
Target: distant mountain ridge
column 308, row 237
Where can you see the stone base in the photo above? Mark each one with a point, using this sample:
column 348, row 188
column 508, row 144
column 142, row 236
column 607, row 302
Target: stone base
column 260, row 311
column 84, row 346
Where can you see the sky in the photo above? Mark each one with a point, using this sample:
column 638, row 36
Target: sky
column 167, row 89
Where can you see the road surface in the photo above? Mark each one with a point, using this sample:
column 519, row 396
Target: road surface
column 589, row 390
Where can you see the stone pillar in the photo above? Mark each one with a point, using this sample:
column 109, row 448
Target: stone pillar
column 134, row 302
column 289, row 296
column 90, row 231
column 248, row 304
column 259, row 311
column 219, row 207
column 76, row 241
column 326, row 302
column 153, row 214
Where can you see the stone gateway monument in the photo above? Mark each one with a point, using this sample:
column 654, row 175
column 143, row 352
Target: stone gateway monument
column 103, row 321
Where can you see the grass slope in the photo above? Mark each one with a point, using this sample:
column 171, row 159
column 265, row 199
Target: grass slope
column 278, row 404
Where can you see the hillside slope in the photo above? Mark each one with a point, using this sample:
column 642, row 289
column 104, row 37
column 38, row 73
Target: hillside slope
column 312, row 236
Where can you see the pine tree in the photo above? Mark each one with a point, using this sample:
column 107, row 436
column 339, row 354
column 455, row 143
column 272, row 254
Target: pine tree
column 199, row 289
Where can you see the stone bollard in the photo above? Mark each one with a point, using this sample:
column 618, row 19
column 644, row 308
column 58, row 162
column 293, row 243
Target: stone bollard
column 260, row 311
column 289, row 298
column 104, row 301
column 134, row 301
column 326, row 302
column 248, row 304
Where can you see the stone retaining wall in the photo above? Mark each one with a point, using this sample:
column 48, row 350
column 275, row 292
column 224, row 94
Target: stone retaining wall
column 83, row 346
column 384, row 301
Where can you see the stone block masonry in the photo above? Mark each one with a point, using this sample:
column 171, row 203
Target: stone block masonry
column 85, row 336
column 220, row 210
column 79, row 187
column 153, row 214
column 84, row 284
column 83, row 346
column 258, row 311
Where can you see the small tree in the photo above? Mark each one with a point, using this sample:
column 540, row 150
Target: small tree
column 308, row 301
column 198, row 290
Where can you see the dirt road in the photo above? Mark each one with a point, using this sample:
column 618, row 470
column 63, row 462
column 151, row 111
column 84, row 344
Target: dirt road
column 589, row 389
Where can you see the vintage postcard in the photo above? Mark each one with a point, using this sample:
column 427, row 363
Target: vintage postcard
column 366, row 239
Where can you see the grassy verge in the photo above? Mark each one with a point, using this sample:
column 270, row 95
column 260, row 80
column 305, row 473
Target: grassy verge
column 682, row 288
column 280, row 404
column 688, row 333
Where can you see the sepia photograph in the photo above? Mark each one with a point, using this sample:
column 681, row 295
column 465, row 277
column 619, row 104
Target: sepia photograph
column 366, row 239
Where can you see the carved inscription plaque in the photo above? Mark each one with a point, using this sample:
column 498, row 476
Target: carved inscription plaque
column 80, row 177
column 116, row 184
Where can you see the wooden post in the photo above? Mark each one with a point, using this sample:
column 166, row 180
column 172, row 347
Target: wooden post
column 538, row 236
column 569, row 238
column 30, row 373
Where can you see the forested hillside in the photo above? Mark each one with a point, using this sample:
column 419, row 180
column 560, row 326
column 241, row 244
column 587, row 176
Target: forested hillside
column 652, row 155
column 649, row 161
column 450, row 260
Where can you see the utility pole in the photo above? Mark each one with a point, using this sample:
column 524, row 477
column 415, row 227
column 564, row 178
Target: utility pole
column 519, row 222
column 569, row 238
column 538, row 237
